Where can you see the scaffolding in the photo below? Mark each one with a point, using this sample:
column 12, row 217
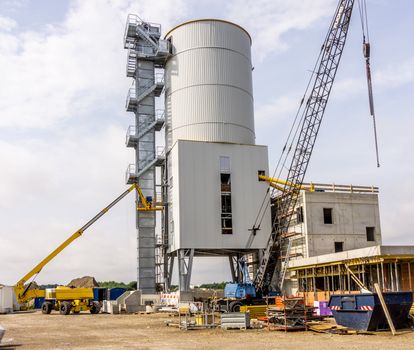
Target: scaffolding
column 393, row 273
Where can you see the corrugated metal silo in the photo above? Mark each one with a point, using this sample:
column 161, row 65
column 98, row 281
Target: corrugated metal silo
column 209, row 84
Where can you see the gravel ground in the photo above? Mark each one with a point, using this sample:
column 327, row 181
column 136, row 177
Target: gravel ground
column 34, row 330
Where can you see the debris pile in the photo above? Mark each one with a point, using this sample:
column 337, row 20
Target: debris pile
column 293, row 315
column 83, row 282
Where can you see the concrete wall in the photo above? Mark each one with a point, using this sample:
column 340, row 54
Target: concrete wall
column 352, row 213
column 195, row 202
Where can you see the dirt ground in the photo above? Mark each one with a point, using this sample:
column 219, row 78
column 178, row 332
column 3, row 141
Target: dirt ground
column 85, row 331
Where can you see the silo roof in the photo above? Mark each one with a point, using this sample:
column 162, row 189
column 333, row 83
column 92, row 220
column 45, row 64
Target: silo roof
column 209, row 20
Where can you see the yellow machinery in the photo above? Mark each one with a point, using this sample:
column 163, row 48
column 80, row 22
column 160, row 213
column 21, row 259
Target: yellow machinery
column 146, row 203
column 279, row 184
column 67, row 299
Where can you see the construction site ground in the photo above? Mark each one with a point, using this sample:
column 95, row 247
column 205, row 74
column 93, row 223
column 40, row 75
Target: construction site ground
column 33, row 330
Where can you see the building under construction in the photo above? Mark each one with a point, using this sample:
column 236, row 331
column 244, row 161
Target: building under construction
column 334, row 245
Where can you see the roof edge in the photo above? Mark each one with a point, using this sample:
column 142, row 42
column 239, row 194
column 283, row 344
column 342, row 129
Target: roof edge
column 209, row 20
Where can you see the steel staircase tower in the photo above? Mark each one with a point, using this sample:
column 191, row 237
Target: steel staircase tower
column 146, row 54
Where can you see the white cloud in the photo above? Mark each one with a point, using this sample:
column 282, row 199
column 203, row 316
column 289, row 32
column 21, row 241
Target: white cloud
column 51, row 190
column 62, row 129
column 7, row 24
column 68, row 69
column 389, row 77
column 268, row 21
column 277, row 109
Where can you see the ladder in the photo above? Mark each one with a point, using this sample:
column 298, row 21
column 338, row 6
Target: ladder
column 285, row 264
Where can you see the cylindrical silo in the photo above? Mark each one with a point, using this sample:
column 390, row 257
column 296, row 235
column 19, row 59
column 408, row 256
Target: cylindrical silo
column 208, row 83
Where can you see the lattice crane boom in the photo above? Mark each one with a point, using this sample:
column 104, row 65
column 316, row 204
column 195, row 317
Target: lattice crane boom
column 330, row 57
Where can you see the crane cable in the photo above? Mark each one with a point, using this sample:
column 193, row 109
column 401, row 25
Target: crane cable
column 286, row 150
column 297, row 122
column 366, row 46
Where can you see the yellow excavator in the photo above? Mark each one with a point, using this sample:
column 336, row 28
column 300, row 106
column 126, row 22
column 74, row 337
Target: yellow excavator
column 66, row 299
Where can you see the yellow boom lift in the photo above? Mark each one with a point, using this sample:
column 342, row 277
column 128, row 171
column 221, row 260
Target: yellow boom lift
column 65, row 299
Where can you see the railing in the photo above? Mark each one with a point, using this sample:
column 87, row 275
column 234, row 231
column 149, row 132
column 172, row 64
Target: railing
column 145, row 50
column 131, row 62
column 159, row 115
column 160, row 151
column 131, row 133
column 132, row 95
column 142, row 127
column 133, row 21
column 159, row 78
column 131, row 172
column 316, row 187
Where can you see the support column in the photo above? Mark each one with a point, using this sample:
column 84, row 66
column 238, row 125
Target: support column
column 397, row 277
column 378, row 276
column 185, row 265
column 168, row 271
column 232, row 269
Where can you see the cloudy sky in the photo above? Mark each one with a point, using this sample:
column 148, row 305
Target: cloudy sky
column 63, row 123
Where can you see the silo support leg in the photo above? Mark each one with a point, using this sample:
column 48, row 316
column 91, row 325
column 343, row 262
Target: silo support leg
column 185, row 265
column 232, row 269
column 168, row 271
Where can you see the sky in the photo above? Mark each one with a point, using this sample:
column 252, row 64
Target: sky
column 63, row 122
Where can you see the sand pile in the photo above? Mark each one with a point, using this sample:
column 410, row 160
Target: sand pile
column 83, row 282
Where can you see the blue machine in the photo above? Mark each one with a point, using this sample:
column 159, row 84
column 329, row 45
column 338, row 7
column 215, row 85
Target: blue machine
column 239, row 290
column 242, row 290
column 114, row 293
column 38, row 302
column 364, row 311
column 100, row 294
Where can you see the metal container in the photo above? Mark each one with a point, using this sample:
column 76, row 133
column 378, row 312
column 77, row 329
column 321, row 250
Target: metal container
column 100, row 294
column 114, row 293
column 6, row 299
column 208, row 83
column 235, row 320
column 364, row 311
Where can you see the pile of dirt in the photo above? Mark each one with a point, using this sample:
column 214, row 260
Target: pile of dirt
column 83, row 282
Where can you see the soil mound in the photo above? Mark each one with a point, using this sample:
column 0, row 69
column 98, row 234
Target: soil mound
column 83, row 282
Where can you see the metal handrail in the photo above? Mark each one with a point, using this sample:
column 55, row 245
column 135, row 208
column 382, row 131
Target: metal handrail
column 131, row 95
column 147, row 27
column 160, row 151
column 160, row 114
column 159, row 78
column 132, row 131
column 131, row 65
column 131, row 170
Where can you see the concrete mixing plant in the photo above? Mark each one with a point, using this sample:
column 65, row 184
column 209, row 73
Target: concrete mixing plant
column 209, row 167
